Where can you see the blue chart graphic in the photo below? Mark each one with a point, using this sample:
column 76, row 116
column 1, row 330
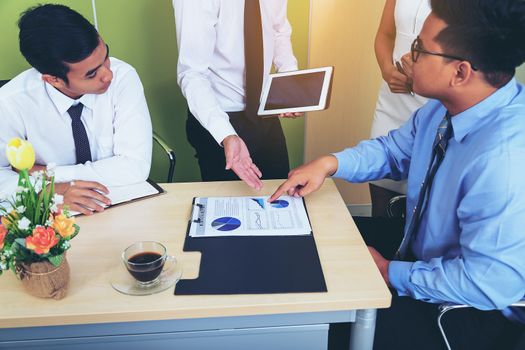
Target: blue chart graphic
column 259, row 201
column 226, row 224
column 280, row 203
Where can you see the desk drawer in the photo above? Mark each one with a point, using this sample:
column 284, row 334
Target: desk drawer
column 306, row 337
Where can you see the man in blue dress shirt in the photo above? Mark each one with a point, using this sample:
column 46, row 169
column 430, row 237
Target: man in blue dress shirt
column 463, row 154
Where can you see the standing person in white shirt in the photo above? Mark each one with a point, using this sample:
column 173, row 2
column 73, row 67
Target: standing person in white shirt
column 81, row 109
column 226, row 48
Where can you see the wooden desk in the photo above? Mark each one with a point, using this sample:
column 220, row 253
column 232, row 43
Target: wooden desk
column 93, row 314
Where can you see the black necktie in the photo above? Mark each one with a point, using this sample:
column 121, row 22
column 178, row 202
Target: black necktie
column 444, row 133
column 253, row 53
column 82, row 149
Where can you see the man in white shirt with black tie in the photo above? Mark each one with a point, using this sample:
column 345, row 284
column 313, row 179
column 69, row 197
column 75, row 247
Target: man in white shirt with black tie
column 226, row 48
column 81, row 109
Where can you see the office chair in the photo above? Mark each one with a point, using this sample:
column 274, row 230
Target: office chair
column 397, row 208
column 167, row 149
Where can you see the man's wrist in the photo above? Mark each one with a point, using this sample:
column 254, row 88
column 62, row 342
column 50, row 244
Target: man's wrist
column 227, row 138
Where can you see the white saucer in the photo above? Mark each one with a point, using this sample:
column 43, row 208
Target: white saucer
column 123, row 282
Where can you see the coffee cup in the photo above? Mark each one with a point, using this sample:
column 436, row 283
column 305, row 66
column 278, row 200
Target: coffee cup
column 144, row 261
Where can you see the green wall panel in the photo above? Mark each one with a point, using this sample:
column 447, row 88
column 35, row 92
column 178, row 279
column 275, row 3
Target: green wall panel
column 142, row 33
column 12, row 61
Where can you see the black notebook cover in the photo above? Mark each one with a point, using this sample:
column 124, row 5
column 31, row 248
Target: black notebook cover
column 254, row 265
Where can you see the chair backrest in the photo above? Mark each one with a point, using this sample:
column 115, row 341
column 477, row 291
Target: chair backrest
column 3, row 82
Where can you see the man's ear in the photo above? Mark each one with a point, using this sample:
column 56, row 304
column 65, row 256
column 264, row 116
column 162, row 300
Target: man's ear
column 54, row 81
column 463, row 74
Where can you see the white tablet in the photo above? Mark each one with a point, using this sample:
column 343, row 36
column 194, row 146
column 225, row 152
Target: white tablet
column 298, row 91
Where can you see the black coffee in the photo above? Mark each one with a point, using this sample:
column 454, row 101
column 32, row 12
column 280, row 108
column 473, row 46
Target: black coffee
column 148, row 272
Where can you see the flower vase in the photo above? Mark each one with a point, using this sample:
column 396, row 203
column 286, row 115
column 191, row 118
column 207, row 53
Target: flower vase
column 44, row 280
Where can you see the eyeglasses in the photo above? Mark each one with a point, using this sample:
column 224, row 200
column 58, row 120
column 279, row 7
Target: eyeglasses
column 417, row 49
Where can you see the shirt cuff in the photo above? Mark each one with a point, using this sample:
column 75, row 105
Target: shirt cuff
column 9, row 187
column 399, row 276
column 288, row 68
column 220, row 128
column 65, row 173
column 343, row 165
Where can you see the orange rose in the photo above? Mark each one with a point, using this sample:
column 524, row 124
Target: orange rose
column 64, row 225
column 3, row 232
column 43, row 239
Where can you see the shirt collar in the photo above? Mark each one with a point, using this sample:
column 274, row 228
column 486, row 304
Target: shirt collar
column 469, row 120
column 63, row 102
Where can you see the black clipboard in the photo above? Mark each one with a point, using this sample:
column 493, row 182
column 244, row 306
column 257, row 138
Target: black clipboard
column 254, row 265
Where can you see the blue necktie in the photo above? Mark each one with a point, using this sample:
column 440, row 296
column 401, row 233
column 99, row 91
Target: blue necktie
column 444, row 133
column 80, row 137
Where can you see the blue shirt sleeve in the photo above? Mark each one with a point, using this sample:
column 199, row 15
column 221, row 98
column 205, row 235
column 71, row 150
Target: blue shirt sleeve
column 383, row 157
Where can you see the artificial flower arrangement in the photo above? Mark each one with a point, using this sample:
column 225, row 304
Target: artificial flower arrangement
column 35, row 231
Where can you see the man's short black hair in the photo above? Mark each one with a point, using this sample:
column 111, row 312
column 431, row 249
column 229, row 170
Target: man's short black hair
column 488, row 33
column 53, row 35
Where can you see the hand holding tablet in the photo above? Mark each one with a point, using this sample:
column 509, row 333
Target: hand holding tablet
column 296, row 92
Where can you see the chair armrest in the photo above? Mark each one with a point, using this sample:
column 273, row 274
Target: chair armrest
column 397, row 207
column 446, row 307
column 169, row 153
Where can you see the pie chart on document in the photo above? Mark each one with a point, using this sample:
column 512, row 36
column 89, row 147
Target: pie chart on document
column 226, row 224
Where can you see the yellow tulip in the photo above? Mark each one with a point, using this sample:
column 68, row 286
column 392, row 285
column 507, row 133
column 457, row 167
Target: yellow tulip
column 20, row 154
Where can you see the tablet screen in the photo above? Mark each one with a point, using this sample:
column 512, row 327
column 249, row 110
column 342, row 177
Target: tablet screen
column 294, row 91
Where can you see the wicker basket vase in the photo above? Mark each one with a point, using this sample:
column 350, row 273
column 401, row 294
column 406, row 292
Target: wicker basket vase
column 44, row 280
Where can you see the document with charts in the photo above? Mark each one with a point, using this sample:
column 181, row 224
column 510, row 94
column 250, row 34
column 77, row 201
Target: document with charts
column 248, row 216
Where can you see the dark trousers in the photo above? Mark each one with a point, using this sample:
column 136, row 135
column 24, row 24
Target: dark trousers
column 263, row 137
column 412, row 324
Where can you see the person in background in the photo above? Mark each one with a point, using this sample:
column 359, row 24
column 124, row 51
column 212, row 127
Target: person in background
column 463, row 154
column 80, row 108
column 400, row 23
column 226, row 49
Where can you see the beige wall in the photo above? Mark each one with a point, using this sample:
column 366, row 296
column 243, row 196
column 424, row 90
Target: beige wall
column 342, row 35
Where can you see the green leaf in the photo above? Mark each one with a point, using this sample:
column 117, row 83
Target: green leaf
column 56, row 260
column 39, row 202
column 21, row 241
column 77, row 229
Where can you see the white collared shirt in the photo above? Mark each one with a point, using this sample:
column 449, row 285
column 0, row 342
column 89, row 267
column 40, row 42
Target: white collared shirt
column 210, row 69
column 117, row 123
